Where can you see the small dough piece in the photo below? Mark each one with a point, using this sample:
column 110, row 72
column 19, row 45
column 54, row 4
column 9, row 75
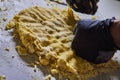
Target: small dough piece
column 21, row 51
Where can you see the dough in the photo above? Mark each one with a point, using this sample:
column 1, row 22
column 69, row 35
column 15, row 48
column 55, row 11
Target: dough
column 48, row 33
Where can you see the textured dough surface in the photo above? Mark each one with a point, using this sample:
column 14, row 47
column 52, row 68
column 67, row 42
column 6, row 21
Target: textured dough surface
column 47, row 33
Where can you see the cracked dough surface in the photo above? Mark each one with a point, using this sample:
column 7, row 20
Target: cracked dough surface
column 47, row 33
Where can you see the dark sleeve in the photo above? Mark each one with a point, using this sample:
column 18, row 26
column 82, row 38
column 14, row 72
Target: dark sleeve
column 93, row 37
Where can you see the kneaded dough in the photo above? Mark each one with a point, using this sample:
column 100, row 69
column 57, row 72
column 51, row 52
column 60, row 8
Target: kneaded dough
column 48, row 33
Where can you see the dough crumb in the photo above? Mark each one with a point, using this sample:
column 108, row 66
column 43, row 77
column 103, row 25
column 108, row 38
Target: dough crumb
column 7, row 49
column 48, row 77
column 2, row 77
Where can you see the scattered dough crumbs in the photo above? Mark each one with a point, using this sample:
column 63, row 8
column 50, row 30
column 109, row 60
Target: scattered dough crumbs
column 47, row 33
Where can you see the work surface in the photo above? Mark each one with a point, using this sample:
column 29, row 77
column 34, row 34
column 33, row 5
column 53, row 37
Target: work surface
column 12, row 66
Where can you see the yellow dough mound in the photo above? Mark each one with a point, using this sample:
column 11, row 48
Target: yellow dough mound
column 48, row 33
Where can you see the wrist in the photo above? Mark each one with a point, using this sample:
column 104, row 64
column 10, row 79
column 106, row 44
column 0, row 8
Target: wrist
column 115, row 32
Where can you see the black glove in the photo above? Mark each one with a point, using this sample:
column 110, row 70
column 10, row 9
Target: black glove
column 84, row 6
column 93, row 40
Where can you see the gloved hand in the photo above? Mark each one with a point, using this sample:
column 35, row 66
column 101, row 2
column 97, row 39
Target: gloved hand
column 84, row 6
column 93, row 40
